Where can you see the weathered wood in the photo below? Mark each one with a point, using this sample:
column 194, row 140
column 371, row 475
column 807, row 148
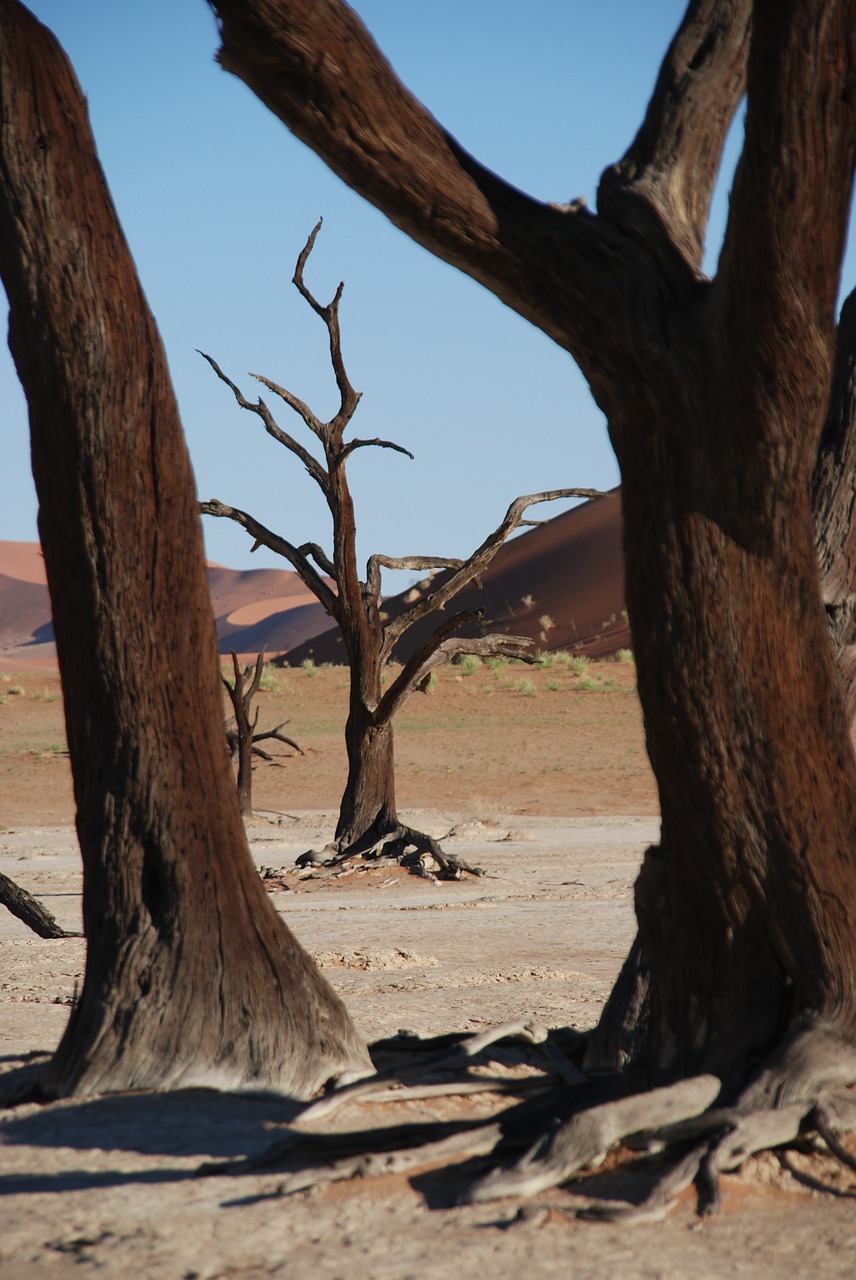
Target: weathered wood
column 30, row 911
column 834, row 507
column 715, row 392
column 191, row 976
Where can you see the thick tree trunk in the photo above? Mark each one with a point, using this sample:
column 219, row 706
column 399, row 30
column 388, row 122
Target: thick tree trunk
column 745, row 908
column 191, row 977
column 715, row 393
column 834, row 508
column 368, row 802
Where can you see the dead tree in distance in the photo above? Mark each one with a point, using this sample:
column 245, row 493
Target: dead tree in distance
column 192, row 978
column 241, row 735
column 367, row 815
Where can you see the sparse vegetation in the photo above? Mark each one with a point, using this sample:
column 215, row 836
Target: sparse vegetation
column 308, row 667
column 469, row 664
column 624, row 655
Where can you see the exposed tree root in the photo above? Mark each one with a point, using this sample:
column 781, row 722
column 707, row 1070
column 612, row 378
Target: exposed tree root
column 679, row 1129
column 401, row 844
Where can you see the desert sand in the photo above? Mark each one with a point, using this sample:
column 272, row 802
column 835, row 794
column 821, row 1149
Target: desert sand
column 548, row 788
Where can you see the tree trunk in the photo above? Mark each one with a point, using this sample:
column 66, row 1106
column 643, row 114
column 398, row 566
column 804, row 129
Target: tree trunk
column 368, row 801
column 715, row 393
column 744, row 908
column 191, row 976
column 834, row 508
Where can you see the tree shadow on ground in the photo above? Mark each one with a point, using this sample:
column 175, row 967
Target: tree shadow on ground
column 189, row 1124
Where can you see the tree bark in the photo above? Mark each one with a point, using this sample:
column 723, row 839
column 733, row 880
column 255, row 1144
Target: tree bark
column 191, row 977
column 834, row 508
column 715, row 393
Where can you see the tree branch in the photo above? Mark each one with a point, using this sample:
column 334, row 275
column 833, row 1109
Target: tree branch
column 315, row 66
column 279, row 736
column 673, row 162
column 349, row 448
column 315, row 425
column 312, row 465
column 477, row 563
column 789, row 206
column 319, row 556
column 294, row 555
column 437, row 651
column 348, row 397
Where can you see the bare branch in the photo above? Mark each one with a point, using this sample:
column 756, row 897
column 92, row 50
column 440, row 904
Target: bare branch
column 349, row 398
column 675, row 157
column 315, row 425
column 30, row 911
column 438, row 650
column 475, row 566
column 266, row 538
column 794, row 178
column 279, row 736
column 312, row 465
column 417, row 563
column 318, row 69
column 380, row 444
column 320, row 557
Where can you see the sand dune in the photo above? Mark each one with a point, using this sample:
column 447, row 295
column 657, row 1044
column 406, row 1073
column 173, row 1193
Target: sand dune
column 561, row 584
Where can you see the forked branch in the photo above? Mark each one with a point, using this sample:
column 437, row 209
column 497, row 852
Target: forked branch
column 674, row 159
column 475, row 566
column 348, row 397
column 294, row 555
column 312, row 465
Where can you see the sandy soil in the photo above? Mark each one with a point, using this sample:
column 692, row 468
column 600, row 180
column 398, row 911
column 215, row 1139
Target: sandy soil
column 107, row 1185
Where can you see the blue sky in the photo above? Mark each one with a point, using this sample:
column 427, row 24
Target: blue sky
column 217, row 199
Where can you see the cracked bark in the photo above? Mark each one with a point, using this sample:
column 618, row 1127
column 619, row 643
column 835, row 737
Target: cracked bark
column 715, row 393
column 191, row 977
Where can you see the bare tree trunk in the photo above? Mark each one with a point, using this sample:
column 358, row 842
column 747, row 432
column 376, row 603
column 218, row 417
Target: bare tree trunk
column 241, row 699
column 191, row 977
column 715, row 393
column 368, row 802
column 834, row 508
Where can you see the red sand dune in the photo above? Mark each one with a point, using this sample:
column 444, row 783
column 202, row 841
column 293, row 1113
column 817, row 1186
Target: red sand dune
column 561, row 584
column 255, row 609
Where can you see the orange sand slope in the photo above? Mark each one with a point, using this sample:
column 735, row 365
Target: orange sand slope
column 561, row 584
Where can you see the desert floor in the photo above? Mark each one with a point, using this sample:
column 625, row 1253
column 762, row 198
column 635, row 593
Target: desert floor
column 539, row 776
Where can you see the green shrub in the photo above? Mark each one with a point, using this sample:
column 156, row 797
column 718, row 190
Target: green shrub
column 469, row 664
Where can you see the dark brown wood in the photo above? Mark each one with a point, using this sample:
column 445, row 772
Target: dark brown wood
column 715, row 394
column 834, row 508
column 29, row 910
column 191, row 976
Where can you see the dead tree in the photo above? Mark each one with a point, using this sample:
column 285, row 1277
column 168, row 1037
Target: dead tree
column 367, row 815
column 715, row 393
column 191, row 976
column 241, row 735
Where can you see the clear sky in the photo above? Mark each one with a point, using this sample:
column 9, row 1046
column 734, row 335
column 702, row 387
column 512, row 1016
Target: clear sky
column 217, row 198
